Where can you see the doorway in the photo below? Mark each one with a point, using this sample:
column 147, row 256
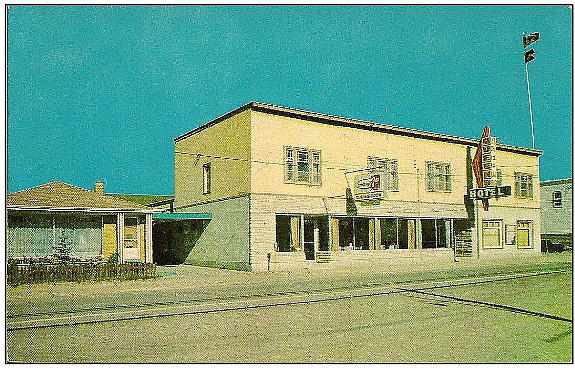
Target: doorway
column 310, row 237
column 315, row 235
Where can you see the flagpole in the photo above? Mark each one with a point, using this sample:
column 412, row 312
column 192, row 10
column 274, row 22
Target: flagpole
column 529, row 98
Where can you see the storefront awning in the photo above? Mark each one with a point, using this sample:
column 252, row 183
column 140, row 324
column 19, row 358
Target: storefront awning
column 182, row 216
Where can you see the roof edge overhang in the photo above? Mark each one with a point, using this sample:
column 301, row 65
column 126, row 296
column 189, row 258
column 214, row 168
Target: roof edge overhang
column 354, row 123
column 79, row 209
column 182, row 216
column 214, row 121
column 556, row 181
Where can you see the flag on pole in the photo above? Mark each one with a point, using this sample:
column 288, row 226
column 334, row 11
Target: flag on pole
column 529, row 55
column 530, row 39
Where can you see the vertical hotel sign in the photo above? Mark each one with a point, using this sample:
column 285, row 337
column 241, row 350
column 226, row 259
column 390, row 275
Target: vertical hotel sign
column 484, row 168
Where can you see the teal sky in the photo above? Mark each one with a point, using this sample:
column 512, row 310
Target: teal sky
column 99, row 92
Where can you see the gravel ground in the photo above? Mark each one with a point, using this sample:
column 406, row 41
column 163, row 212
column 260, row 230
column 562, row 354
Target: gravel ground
column 405, row 327
column 186, row 283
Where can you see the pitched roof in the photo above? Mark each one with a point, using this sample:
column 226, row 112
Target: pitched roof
column 145, row 199
column 354, row 123
column 58, row 195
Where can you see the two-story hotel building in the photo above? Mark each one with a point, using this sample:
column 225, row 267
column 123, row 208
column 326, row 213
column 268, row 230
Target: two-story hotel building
column 282, row 187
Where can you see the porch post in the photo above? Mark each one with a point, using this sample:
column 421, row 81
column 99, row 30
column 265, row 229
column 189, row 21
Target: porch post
column 294, row 230
column 301, row 233
column 120, row 238
column 418, row 237
column 371, row 224
column 449, row 232
column 334, row 234
column 378, row 233
column 148, row 239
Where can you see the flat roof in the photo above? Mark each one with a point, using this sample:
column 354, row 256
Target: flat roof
column 182, row 216
column 353, row 123
column 555, row 182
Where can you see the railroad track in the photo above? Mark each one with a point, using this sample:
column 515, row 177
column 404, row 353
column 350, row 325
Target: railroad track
column 200, row 306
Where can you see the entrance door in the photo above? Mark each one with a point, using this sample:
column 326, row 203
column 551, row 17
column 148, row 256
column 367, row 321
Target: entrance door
column 310, row 238
column 131, row 236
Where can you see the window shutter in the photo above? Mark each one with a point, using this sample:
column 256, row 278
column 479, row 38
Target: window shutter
column 315, row 168
column 517, row 184
column 394, row 177
column 529, row 180
column 430, row 186
column 447, row 177
column 289, row 165
column 499, row 178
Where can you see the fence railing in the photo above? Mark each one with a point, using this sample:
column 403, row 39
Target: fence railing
column 18, row 274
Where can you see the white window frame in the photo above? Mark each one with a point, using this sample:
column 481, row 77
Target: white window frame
column 438, row 177
column 389, row 168
column 523, row 185
column 557, row 199
column 137, row 239
column 207, row 178
column 499, row 227
column 292, row 169
column 529, row 229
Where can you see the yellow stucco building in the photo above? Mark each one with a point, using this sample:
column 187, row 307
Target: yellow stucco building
column 288, row 188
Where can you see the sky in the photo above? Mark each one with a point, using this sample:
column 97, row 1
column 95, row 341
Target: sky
column 100, row 92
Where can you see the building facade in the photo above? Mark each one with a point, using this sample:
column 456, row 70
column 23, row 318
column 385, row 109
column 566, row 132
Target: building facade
column 88, row 224
column 557, row 214
column 287, row 189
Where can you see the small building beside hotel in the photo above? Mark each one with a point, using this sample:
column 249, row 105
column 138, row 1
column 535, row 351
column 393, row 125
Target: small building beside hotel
column 92, row 225
column 287, row 189
column 557, row 214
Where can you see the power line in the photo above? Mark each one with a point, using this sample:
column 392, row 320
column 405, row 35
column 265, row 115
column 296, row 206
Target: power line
column 259, row 161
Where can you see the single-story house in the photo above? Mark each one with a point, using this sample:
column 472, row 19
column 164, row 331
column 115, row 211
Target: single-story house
column 56, row 217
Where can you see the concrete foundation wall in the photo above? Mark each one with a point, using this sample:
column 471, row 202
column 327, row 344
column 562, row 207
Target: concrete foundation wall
column 381, row 260
column 224, row 242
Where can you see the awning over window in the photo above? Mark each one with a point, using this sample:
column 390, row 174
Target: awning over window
column 182, row 216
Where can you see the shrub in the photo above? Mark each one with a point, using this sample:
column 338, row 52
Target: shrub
column 31, row 273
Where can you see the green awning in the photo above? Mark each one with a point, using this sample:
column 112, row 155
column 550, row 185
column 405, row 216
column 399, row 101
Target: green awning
column 182, row 216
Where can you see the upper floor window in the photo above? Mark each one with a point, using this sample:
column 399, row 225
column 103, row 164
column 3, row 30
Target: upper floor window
column 557, row 199
column 302, row 166
column 389, row 169
column 207, row 177
column 523, row 185
column 438, row 177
